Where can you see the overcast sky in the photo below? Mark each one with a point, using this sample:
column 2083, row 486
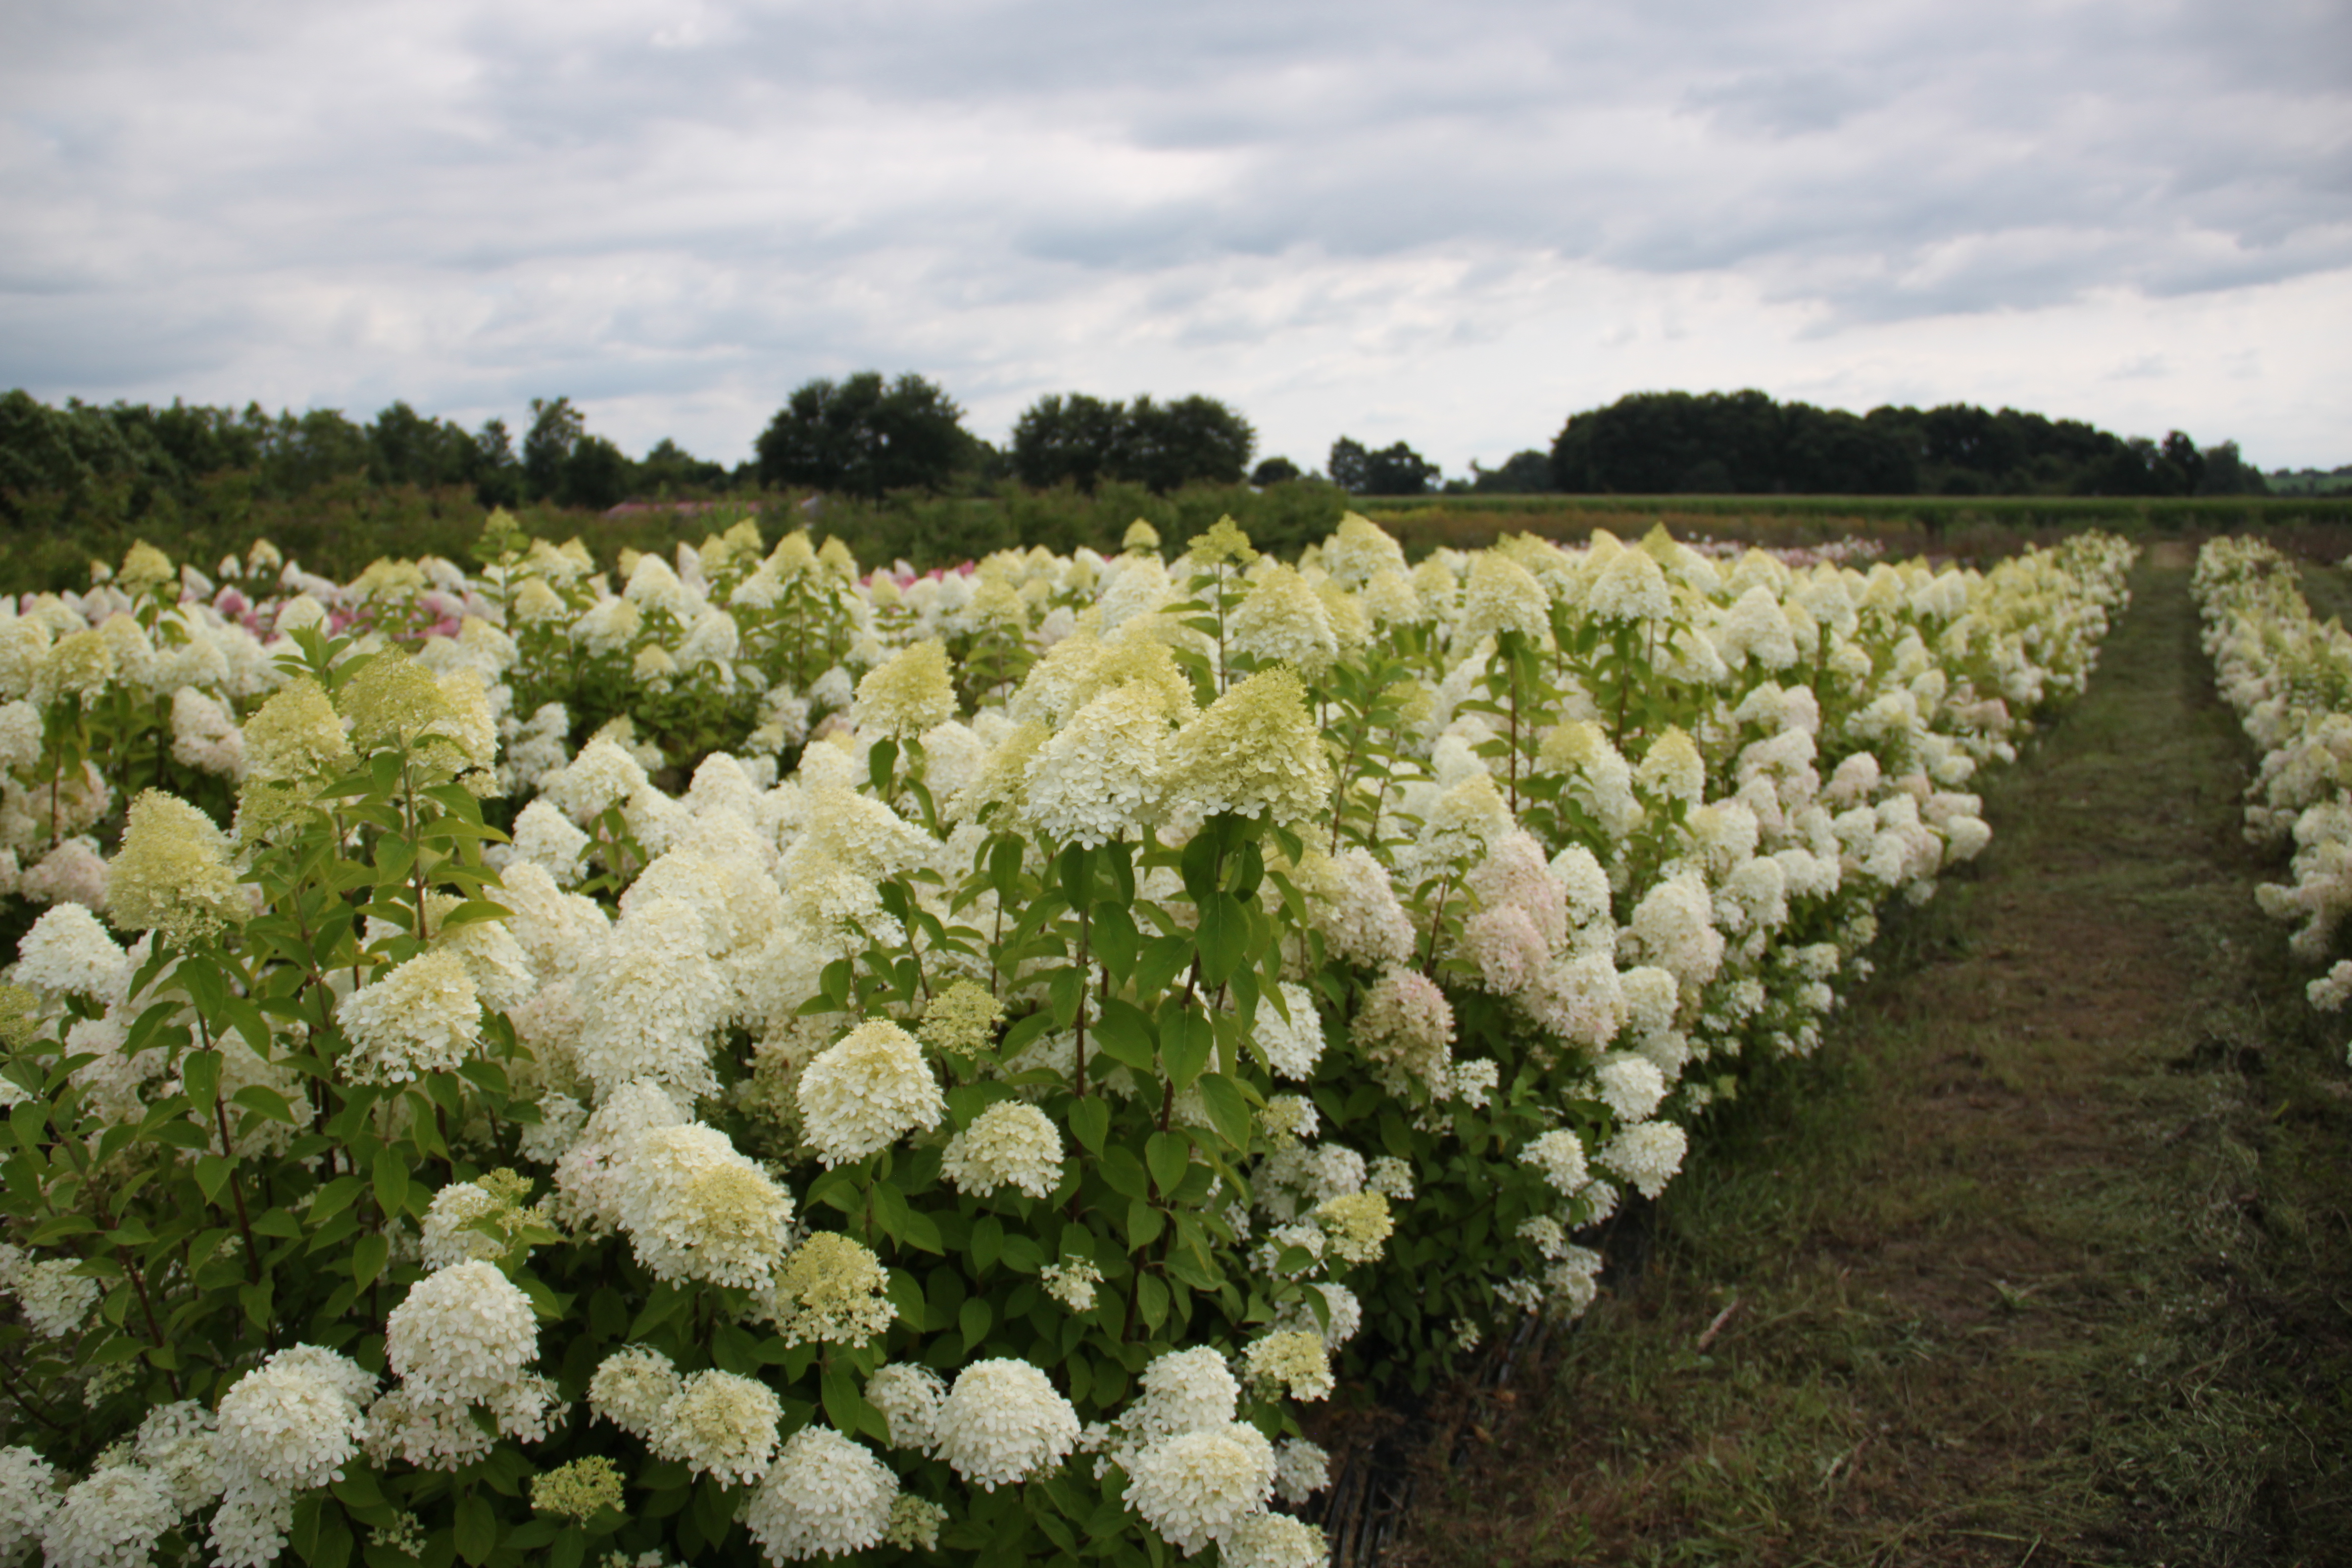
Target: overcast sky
column 1449, row 225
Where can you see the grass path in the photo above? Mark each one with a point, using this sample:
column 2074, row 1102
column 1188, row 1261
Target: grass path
column 2039, row 1261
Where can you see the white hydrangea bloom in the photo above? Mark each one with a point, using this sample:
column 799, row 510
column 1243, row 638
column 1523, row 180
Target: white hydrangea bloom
column 1294, row 1359
column 462, row 1333
column 1273, row 1540
column 1182, row 1391
column 694, row 1208
column 69, row 952
column 1301, row 1469
column 651, row 1003
column 417, row 1017
column 1292, row 1047
column 824, row 1497
column 720, row 1424
column 909, row 1397
column 55, row 1299
column 1003, row 1422
column 632, row 1386
column 865, row 1091
column 1647, row 1155
column 1559, row 1155
column 1193, row 1487
column 1011, row 1143
column 1631, row 1085
column 112, row 1519
column 29, row 1495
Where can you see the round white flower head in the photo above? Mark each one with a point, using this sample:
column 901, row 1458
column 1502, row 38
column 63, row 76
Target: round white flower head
column 720, row 1424
column 1183, row 1390
column 1102, row 775
column 1301, row 1469
column 1193, row 1487
column 1647, row 1155
column 824, row 1497
column 1342, row 1315
column 293, row 1422
column 1503, row 596
column 1273, row 1540
column 1011, row 1143
column 1292, row 1047
column 1571, row 1284
column 909, row 1397
column 1357, row 1225
column 696, row 1209
column 68, row 951
column 650, row 1003
column 1003, row 1422
column 833, row 1289
column 1281, row 621
column 1672, row 767
column 631, row 1386
column 55, row 1299
column 1405, row 1028
column 907, row 694
column 417, row 1017
column 461, row 1334
column 1390, row 1176
column 600, row 778
column 1559, row 1155
column 427, row 1433
column 1255, row 751
column 29, row 1495
column 1630, row 587
column 173, row 874
column 1632, row 1086
column 1295, row 1360
column 110, row 1520
column 1071, row 1282
column 865, row 1091
column 915, row 1523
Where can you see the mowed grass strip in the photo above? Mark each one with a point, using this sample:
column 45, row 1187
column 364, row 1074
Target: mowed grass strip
column 2042, row 1258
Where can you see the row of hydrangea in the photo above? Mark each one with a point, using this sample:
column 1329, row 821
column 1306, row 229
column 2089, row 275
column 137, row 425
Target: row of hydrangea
column 764, row 1063
column 2289, row 677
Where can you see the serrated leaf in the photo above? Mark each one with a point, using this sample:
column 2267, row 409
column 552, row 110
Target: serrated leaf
column 1229, row 1110
column 1221, row 936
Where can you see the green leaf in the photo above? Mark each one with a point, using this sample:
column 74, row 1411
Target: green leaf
column 907, row 1295
column 973, row 1321
column 1187, row 1039
column 368, row 1255
column 1004, row 854
column 1222, row 935
column 1116, row 940
column 476, row 1529
column 1163, row 959
column 200, row 1072
column 1229, row 1110
column 1090, row 1122
column 391, row 1172
column 212, row 1172
column 1167, row 1155
column 1144, row 1223
column 1152, row 1296
column 1126, row 1033
column 987, row 1241
column 264, row 1101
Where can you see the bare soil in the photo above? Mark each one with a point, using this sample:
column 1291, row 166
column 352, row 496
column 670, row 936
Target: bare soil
column 2042, row 1260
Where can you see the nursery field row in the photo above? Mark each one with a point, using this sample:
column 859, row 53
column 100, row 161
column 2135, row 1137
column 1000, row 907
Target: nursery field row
column 762, row 1059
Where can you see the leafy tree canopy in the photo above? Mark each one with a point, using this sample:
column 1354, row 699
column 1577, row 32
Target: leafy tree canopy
column 864, row 437
column 1078, row 439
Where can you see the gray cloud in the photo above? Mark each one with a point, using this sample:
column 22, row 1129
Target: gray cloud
column 651, row 199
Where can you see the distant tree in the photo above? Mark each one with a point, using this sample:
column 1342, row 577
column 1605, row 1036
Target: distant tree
column 2182, row 465
column 555, row 428
column 1527, row 473
column 2228, row 473
column 1071, row 438
column 1193, row 440
column 497, row 473
column 1083, row 440
column 669, row 470
column 303, row 454
column 1275, row 471
column 595, row 475
column 1394, row 471
column 862, row 437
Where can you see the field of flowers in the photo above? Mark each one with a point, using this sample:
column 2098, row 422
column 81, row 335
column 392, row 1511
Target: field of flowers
column 778, row 1061
column 2289, row 676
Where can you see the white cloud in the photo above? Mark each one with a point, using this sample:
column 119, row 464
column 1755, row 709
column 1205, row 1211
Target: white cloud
column 1452, row 225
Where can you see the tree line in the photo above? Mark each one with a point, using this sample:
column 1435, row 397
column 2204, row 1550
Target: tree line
column 867, row 437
